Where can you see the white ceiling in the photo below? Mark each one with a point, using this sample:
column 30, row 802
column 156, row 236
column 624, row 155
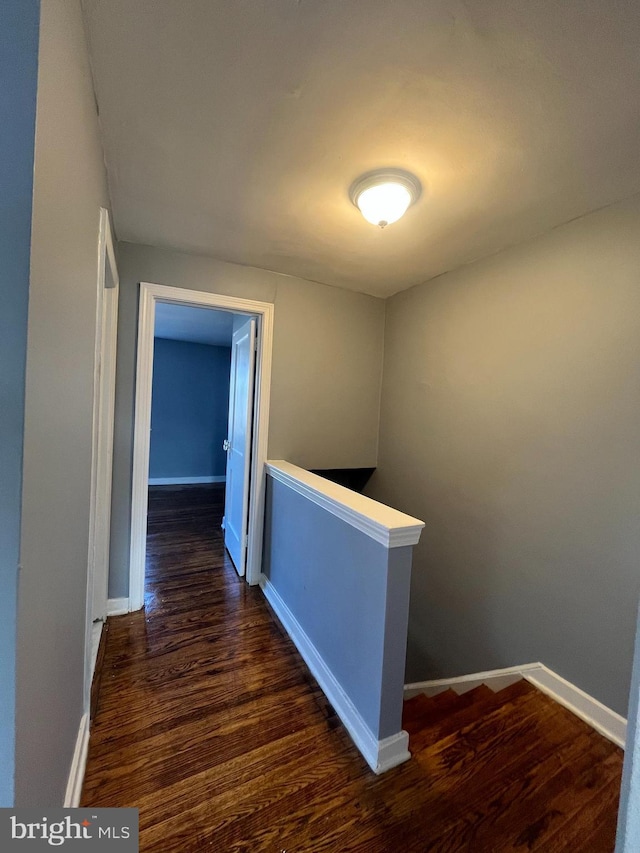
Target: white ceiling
column 196, row 325
column 234, row 128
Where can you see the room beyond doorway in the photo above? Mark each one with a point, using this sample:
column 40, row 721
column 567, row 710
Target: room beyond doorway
column 190, row 395
column 152, row 298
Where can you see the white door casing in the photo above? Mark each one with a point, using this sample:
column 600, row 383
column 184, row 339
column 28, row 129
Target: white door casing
column 102, row 440
column 263, row 311
column 107, row 395
column 238, row 443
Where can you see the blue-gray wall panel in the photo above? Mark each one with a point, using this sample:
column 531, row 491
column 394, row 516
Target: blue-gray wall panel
column 395, row 644
column 628, row 838
column 333, row 578
column 190, row 403
column 18, row 72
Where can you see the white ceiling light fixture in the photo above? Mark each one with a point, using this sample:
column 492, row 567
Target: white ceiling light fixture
column 385, row 195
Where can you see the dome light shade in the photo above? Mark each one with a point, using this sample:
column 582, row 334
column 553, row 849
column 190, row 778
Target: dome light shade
column 384, row 203
column 385, row 195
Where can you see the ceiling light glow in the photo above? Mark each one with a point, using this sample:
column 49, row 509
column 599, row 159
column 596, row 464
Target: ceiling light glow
column 385, row 195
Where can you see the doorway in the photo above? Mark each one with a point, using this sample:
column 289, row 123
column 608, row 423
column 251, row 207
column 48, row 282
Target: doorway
column 104, row 389
column 201, row 410
column 252, row 329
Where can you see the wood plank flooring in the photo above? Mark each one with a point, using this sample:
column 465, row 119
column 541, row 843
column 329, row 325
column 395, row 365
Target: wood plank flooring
column 208, row 721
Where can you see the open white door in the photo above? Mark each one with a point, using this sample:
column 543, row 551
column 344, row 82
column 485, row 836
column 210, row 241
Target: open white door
column 238, row 443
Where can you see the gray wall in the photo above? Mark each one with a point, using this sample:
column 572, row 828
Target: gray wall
column 69, row 187
column 509, row 423
column 350, row 596
column 18, row 71
column 327, row 364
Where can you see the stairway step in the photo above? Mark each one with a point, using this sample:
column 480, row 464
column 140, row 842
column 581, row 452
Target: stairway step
column 417, row 714
column 442, row 704
column 445, row 699
column 415, row 708
column 417, row 701
column 434, row 714
column 422, row 711
column 472, row 706
column 461, row 701
column 518, row 688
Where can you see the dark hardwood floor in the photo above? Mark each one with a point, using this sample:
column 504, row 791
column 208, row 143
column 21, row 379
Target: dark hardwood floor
column 208, row 721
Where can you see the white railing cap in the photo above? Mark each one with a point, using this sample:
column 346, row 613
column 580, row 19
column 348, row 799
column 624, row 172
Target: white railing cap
column 390, row 527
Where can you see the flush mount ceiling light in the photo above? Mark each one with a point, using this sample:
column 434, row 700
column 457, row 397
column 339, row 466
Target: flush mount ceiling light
column 385, row 195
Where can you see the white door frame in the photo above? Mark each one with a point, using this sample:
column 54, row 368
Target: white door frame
column 104, row 367
column 150, row 294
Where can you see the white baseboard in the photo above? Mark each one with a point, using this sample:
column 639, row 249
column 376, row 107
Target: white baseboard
column 117, row 606
column 380, row 755
column 610, row 724
column 78, row 766
column 184, row 481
